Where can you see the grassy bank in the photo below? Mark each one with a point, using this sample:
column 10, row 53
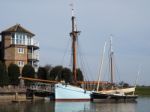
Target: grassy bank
column 143, row 91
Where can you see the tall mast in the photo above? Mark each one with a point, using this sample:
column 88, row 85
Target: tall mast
column 101, row 67
column 111, row 61
column 74, row 35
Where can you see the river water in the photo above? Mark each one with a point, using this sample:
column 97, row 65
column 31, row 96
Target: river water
column 142, row 105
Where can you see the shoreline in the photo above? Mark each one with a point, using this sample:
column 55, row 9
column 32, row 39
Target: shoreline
column 17, row 97
column 11, row 97
column 19, row 94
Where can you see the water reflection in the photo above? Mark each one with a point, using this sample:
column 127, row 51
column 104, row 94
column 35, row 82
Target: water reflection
column 42, row 106
column 38, row 106
column 115, row 107
column 72, row 106
column 94, row 107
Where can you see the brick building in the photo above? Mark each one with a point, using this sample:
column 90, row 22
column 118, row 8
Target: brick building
column 18, row 46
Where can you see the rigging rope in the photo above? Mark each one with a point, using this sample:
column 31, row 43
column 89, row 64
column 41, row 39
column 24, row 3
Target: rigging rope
column 82, row 62
column 65, row 52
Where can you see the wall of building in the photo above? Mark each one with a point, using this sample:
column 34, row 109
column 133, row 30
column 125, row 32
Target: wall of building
column 12, row 54
column 9, row 53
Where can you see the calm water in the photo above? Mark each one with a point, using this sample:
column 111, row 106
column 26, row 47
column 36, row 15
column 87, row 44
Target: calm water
column 143, row 105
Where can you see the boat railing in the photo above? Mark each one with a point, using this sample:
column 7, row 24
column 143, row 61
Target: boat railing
column 42, row 87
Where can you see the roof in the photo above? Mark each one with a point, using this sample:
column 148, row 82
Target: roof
column 17, row 28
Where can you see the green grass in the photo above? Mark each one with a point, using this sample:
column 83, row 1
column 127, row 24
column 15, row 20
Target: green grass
column 143, row 91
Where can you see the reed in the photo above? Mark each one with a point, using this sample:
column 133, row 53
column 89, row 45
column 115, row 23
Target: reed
column 143, row 90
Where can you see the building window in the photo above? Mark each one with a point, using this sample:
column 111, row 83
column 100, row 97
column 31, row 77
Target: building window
column 21, row 50
column 20, row 38
column 29, row 41
column 23, row 39
column 12, row 39
column 20, row 63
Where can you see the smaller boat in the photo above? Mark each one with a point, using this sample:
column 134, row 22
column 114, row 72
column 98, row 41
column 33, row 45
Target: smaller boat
column 117, row 95
column 114, row 93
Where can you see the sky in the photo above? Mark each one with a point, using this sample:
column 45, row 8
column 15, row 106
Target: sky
column 50, row 20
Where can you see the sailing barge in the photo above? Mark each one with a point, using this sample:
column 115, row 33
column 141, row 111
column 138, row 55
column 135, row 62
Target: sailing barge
column 115, row 93
column 118, row 95
column 69, row 92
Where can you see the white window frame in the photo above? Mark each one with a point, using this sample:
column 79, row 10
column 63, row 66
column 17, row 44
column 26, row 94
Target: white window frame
column 20, row 63
column 21, row 50
column 20, row 38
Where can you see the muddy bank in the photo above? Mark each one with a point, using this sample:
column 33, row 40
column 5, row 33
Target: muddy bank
column 9, row 97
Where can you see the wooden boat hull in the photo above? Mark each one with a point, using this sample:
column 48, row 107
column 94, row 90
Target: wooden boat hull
column 100, row 97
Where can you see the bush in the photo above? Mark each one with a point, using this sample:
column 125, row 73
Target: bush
column 13, row 73
column 4, row 79
column 42, row 73
column 28, row 71
column 79, row 75
column 55, row 73
column 66, row 75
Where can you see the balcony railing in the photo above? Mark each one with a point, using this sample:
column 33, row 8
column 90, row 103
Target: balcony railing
column 33, row 56
column 24, row 42
column 33, row 44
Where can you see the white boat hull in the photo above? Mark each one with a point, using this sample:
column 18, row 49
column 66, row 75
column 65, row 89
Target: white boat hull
column 68, row 92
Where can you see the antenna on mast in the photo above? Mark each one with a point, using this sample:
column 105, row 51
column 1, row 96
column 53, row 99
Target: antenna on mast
column 73, row 15
column 72, row 8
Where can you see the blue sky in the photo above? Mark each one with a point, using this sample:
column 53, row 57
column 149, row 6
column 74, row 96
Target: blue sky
column 50, row 20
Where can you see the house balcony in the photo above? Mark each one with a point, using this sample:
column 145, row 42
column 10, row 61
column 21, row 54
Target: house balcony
column 33, row 56
column 30, row 44
column 34, row 45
